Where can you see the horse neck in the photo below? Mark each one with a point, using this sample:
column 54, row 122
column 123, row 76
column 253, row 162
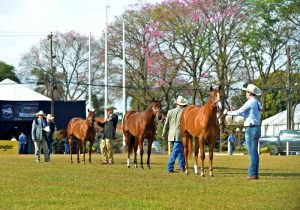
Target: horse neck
column 209, row 108
column 149, row 115
column 87, row 123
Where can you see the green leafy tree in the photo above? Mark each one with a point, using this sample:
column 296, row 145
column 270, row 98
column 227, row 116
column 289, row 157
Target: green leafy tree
column 7, row 71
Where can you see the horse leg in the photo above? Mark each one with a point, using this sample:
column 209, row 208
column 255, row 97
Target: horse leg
column 196, row 153
column 78, row 150
column 202, row 155
column 185, row 151
column 71, row 148
column 140, row 140
column 135, row 154
column 129, row 140
column 83, row 150
column 211, row 156
column 90, row 151
column 149, row 152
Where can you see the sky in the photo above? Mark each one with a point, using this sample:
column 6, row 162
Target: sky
column 23, row 23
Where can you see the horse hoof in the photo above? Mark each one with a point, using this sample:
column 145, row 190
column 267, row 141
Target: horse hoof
column 142, row 167
column 196, row 173
column 149, row 167
column 211, row 175
column 135, row 166
column 186, row 173
column 128, row 166
column 202, row 175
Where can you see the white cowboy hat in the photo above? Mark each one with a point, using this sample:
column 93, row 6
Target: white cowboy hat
column 110, row 107
column 252, row 89
column 49, row 116
column 40, row 113
column 181, row 101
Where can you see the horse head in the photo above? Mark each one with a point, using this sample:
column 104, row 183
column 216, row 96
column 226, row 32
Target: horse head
column 156, row 108
column 91, row 117
column 216, row 98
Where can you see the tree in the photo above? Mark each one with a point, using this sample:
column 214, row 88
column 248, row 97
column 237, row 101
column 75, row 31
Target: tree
column 70, row 70
column 7, row 71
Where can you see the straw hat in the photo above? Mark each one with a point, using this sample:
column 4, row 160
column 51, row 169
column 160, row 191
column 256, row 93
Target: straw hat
column 110, row 108
column 252, row 89
column 40, row 113
column 49, row 116
column 180, row 101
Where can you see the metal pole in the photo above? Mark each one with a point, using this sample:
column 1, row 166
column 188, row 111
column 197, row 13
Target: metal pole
column 51, row 75
column 124, row 79
column 105, row 73
column 288, row 88
column 90, row 89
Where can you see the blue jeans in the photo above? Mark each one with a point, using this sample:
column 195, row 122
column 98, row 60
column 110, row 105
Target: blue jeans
column 176, row 152
column 252, row 135
column 22, row 148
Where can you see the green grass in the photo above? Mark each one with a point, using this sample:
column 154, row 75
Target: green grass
column 61, row 185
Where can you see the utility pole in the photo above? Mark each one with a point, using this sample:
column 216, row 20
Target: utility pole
column 51, row 74
column 288, row 108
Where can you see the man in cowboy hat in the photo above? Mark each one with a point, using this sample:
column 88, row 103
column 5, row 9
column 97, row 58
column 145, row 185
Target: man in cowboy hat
column 109, row 135
column 49, row 133
column 39, row 136
column 251, row 113
column 172, row 129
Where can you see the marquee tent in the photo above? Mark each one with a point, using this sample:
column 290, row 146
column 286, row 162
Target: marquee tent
column 12, row 91
column 274, row 124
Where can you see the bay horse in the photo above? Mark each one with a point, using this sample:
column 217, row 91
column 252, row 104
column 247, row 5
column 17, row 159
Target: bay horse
column 201, row 122
column 138, row 126
column 83, row 130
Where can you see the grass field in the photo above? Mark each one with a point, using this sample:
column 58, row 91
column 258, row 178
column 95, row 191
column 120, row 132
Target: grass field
column 25, row 184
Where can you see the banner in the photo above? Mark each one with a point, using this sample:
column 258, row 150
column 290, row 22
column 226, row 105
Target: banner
column 9, row 147
column 18, row 111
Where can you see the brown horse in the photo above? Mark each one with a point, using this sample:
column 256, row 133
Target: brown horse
column 202, row 123
column 83, row 130
column 138, row 126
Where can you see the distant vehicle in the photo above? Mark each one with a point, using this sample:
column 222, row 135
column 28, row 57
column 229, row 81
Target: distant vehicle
column 278, row 143
column 291, row 136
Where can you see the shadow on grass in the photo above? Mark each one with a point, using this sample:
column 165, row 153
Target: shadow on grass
column 280, row 174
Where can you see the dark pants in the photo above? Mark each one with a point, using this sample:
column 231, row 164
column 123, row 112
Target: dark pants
column 49, row 144
column 22, row 148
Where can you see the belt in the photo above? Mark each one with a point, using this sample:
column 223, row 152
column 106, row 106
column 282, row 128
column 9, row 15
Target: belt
column 252, row 126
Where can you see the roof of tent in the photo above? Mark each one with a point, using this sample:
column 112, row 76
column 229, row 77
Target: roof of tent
column 12, row 91
column 272, row 125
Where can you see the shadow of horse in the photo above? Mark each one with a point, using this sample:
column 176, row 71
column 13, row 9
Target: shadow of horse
column 138, row 126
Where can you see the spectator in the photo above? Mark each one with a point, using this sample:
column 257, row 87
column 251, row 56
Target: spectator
column 22, row 143
column 231, row 142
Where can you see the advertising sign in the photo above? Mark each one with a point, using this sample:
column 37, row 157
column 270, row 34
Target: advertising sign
column 18, row 111
column 9, row 147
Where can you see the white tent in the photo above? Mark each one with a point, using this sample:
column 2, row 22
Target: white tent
column 273, row 125
column 12, row 91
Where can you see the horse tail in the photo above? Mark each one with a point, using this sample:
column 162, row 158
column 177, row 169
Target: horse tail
column 60, row 134
column 131, row 143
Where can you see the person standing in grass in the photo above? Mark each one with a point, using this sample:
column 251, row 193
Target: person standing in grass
column 39, row 136
column 109, row 134
column 22, row 143
column 171, row 131
column 251, row 112
column 231, row 141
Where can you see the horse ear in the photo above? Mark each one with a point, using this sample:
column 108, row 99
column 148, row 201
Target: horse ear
column 211, row 88
column 153, row 99
column 220, row 87
column 88, row 110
